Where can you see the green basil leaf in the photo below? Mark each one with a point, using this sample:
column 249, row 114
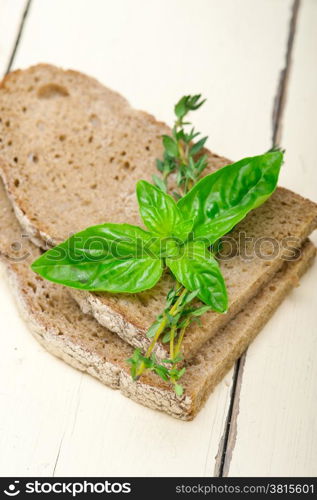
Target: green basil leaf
column 183, row 229
column 197, row 269
column 158, row 210
column 222, row 199
column 112, row 275
column 110, row 257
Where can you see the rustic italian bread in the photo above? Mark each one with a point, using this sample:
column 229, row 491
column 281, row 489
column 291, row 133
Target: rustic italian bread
column 71, row 152
column 58, row 324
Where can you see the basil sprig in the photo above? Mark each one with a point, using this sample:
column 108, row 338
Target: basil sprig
column 182, row 236
column 124, row 258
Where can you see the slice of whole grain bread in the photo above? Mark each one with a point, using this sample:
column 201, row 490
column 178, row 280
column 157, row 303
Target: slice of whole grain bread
column 71, row 152
column 58, row 324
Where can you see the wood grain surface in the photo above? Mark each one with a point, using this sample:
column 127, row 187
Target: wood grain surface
column 237, row 53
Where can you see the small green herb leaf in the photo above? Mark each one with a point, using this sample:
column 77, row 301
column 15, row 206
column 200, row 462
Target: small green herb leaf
column 181, row 107
column 158, row 182
column 198, row 146
column 152, row 330
column 166, row 337
column 170, row 145
column 189, row 297
column 179, row 390
column 162, row 371
column 186, row 104
column 180, row 373
column 199, row 311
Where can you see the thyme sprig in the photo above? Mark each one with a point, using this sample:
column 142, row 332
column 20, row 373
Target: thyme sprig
column 169, row 327
column 182, row 156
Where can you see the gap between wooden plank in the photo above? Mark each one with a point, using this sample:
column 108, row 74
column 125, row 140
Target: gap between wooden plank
column 227, row 442
column 19, row 34
column 226, row 437
column 281, row 94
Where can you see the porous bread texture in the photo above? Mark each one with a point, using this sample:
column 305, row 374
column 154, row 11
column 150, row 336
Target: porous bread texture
column 58, row 324
column 78, row 167
column 66, row 135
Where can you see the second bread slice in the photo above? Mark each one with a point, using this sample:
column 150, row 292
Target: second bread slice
column 58, row 324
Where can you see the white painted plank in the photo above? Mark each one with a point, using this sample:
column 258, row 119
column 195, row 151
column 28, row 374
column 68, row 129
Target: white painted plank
column 151, row 52
column 37, row 396
column 277, row 424
column 299, row 132
column 11, row 12
column 48, row 406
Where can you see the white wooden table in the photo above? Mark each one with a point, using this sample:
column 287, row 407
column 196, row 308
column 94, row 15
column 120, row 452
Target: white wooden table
column 255, row 61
